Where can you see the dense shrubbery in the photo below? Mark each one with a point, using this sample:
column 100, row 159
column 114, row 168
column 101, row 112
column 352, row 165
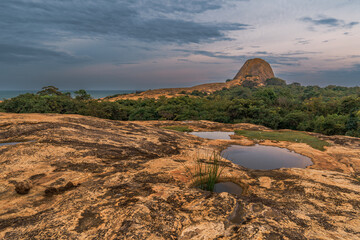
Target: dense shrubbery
column 329, row 110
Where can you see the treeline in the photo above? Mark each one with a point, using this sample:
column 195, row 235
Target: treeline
column 330, row 110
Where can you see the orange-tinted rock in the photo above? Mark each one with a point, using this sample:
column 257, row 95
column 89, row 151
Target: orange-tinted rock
column 255, row 69
column 22, row 187
column 134, row 184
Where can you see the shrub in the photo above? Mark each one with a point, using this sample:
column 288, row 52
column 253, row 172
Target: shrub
column 275, row 82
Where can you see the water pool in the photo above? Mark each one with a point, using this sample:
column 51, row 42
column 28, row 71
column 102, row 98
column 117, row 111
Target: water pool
column 229, row 187
column 213, row 135
column 265, row 157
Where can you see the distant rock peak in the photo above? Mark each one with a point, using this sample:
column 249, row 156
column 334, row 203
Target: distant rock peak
column 257, row 70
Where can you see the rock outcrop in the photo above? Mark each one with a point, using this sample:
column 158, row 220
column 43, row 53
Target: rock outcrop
column 254, row 72
column 257, row 70
column 100, row 179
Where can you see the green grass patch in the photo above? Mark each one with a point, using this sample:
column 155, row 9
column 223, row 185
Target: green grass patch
column 206, row 172
column 290, row 136
column 179, row 128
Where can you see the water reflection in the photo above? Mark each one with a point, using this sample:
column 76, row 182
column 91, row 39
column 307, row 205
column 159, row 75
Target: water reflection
column 229, row 187
column 265, row 157
column 12, row 143
column 213, row 135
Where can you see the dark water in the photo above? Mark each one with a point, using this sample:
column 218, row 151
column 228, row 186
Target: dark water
column 229, row 187
column 265, row 157
column 9, row 143
column 213, row 135
column 94, row 93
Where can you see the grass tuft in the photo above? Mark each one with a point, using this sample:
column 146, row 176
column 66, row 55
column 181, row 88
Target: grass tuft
column 179, row 128
column 206, row 172
column 290, row 136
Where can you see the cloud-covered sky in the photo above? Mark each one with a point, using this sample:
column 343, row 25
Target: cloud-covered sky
column 147, row 44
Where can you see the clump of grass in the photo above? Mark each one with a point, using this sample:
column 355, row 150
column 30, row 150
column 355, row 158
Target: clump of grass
column 290, row 136
column 206, row 172
column 357, row 177
column 179, row 128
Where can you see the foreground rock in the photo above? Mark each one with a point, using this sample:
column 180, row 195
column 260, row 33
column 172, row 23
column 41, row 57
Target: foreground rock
column 99, row 179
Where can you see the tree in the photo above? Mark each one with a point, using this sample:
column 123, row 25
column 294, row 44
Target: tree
column 275, row 82
column 49, row 90
column 352, row 123
column 82, row 95
column 249, row 84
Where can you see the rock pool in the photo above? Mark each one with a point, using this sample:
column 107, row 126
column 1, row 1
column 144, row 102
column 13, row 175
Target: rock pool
column 213, row 135
column 265, row 157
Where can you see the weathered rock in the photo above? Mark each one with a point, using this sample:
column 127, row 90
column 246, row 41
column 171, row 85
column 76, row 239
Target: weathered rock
column 53, row 190
column 253, row 72
column 257, row 70
column 134, row 185
column 22, row 187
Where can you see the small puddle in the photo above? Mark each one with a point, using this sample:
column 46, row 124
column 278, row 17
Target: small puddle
column 228, row 187
column 237, row 216
column 265, row 157
column 213, row 135
column 12, row 143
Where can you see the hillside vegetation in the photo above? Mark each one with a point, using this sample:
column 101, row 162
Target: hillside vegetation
column 331, row 110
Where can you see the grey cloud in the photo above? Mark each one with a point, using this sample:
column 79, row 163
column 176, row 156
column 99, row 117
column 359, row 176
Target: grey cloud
column 183, row 60
column 344, row 77
column 296, row 53
column 28, row 27
column 180, row 31
column 288, row 59
column 20, row 54
column 121, row 19
column 302, row 41
column 261, row 52
column 194, row 6
column 329, row 22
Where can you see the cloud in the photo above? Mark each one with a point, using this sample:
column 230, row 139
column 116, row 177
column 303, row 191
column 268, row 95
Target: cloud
column 10, row 53
column 261, row 52
column 28, row 28
column 302, row 41
column 180, row 31
column 41, row 19
column 329, row 22
column 343, row 77
column 287, row 59
column 179, row 6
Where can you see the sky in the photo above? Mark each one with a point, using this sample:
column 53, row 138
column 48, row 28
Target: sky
column 148, row 44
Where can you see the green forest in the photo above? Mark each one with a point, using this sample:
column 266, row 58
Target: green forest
column 329, row 110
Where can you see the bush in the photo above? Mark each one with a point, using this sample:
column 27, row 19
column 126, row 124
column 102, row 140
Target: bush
column 275, row 82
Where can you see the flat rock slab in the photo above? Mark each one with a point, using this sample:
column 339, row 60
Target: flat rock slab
column 99, row 179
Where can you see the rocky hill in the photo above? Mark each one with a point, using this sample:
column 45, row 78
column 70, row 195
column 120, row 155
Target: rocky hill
column 257, row 70
column 254, row 70
column 76, row 177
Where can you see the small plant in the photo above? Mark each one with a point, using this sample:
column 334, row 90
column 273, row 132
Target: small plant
column 179, row 128
column 206, row 172
column 357, row 177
